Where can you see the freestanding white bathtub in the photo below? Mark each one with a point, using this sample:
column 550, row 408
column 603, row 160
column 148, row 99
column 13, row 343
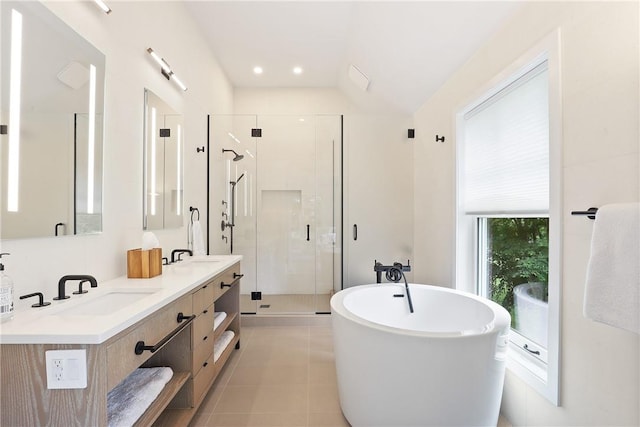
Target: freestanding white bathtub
column 442, row 365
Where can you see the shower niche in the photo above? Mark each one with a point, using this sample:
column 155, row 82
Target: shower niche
column 283, row 198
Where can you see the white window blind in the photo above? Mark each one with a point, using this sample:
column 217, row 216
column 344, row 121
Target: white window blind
column 506, row 149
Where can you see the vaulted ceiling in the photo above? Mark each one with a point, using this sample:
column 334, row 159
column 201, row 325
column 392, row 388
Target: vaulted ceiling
column 407, row 50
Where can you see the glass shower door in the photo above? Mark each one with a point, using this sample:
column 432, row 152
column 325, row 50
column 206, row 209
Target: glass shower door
column 286, row 197
column 283, row 201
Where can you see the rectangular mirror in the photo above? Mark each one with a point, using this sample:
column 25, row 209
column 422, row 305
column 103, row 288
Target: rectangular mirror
column 51, row 125
column 163, row 175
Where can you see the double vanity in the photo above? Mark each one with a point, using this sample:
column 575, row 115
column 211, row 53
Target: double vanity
column 122, row 325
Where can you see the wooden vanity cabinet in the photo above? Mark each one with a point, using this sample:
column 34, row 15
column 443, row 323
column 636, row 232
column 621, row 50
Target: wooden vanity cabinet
column 25, row 399
column 221, row 293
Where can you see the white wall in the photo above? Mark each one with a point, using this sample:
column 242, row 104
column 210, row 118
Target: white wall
column 123, row 36
column 600, row 377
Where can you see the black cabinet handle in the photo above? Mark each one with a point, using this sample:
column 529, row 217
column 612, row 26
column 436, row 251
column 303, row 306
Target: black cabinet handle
column 308, row 232
column 355, row 231
column 182, row 317
column 536, row 352
column 141, row 347
column 237, row 278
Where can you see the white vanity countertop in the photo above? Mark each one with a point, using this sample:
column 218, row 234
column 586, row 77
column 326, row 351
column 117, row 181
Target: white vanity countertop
column 113, row 306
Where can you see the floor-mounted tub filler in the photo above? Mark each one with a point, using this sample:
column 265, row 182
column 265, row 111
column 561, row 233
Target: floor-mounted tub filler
column 442, row 365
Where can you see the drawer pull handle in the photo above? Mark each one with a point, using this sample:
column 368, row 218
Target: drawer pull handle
column 205, row 338
column 204, row 287
column 236, row 277
column 205, row 364
column 182, row 317
column 141, row 347
column 205, row 312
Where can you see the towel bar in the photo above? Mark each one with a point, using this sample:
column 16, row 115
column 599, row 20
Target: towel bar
column 589, row 213
column 141, row 346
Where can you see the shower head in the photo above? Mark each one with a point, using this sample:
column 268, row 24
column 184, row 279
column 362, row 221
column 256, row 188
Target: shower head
column 237, row 157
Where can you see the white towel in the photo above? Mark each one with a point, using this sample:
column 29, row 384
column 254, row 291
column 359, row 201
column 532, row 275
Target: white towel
column 613, row 273
column 129, row 399
column 197, row 239
column 218, row 317
column 221, row 344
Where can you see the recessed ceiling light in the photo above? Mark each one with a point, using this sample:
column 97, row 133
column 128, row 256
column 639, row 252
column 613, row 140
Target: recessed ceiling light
column 297, row 70
column 257, row 70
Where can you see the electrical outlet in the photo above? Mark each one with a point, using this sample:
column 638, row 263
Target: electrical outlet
column 66, row 369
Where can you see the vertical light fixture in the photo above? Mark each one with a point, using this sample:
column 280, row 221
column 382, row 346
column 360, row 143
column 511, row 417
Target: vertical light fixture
column 15, row 77
column 152, row 189
column 179, row 172
column 91, row 149
column 106, row 9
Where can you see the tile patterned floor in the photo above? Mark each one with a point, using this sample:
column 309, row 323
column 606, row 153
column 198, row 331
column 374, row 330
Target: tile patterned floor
column 281, row 376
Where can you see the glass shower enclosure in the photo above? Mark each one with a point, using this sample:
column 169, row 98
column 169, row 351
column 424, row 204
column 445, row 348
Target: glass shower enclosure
column 282, row 208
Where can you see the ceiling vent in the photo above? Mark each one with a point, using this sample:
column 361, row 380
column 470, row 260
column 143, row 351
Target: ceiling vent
column 358, row 78
column 74, row 75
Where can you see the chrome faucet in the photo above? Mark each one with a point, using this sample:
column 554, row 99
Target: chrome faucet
column 83, row 277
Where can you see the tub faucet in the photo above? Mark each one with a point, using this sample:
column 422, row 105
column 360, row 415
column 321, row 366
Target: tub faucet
column 63, row 280
column 397, row 271
column 391, row 277
column 179, row 252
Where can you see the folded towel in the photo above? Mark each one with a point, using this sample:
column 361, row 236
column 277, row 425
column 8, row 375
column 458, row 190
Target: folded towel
column 221, row 344
column 197, row 239
column 129, row 399
column 218, row 318
column 613, row 273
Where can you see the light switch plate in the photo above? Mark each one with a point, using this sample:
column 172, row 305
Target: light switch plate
column 66, row 369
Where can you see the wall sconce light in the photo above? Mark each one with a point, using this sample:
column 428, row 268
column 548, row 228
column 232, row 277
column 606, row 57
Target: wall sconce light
column 15, row 77
column 103, row 6
column 166, row 70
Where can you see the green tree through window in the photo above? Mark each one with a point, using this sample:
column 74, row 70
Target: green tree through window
column 518, row 252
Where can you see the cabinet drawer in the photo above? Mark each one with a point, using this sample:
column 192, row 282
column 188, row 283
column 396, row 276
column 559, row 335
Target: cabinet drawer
column 203, row 350
column 121, row 357
column 203, row 379
column 203, row 297
column 203, row 326
column 229, row 276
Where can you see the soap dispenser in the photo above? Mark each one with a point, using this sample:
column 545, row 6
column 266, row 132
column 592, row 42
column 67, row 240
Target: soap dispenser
column 6, row 294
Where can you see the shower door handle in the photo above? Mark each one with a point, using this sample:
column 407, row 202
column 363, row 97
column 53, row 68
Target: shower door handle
column 355, row 231
column 308, row 226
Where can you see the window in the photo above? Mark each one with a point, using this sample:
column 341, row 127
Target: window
column 508, row 228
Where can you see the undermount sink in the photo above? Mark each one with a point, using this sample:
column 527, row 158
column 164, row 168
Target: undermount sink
column 108, row 303
column 204, row 259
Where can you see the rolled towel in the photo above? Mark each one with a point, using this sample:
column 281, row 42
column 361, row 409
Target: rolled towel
column 129, row 399
column 221, row 344
column 613, row 274
column 218, row 318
